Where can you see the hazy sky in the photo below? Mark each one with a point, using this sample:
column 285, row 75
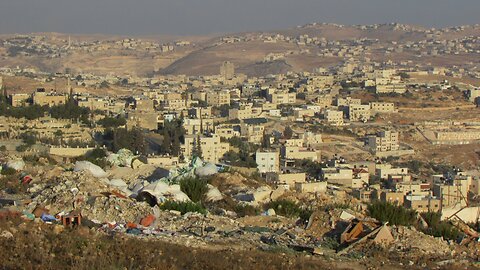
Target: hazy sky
column 185, row 17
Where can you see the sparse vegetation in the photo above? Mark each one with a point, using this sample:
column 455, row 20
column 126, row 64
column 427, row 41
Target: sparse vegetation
column 195, row 188
column 439, row 228
column 393, row 214
column 183, row 207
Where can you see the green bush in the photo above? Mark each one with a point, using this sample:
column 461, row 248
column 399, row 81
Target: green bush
column 3, row 148
column 289, row 209
column 393, row 214
column 22, row 148
column 8, row 171
column 183, row 207
column 195, row 188
column 439, row 228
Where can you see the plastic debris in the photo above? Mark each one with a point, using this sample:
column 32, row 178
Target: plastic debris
column 207, row 170
column 93, row 169
column 17, row 164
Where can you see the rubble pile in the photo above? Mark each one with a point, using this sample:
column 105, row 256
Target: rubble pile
column 96, row 199
column 409, row 239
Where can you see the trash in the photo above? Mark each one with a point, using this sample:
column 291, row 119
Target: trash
column 134, row 231
column 270, row 212
column 352, row 232
column 47, row 218
column 160, row 191
column 213, row 194
column 6, row 234
column 206, row 170
column 39, row 211
column 119, row 183
column 74, row 218
column 147, row 221
column 17, row 164
column 123, row 157
column 25, row 179
column 345, row 216
column 28, row 215
column 93, row 169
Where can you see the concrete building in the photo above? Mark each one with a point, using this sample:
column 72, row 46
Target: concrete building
column 227, row 71
column 383, row 142
column 311, row 187
column 359, row 112
column 299, row 153
column 253, row 129
column 422, row 204
column 382, row 107
column 334, row 117
column 42, row 98
column 227, row 131
column 211, row 147
column 19, row 100
column 267, row 161
column 282, row 97
column 218, row 98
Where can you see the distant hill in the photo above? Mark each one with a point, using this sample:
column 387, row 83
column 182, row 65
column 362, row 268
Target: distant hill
column 249, row 53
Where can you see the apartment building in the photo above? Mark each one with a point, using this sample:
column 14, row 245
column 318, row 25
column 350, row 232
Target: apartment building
column 268, row 161
column 227, row 131
column 382, row 107
column 211, row 147
column 218, row 98
column 19, row 100
column 334, row 117
column 253, row 129
column 42, row 98
column 384, row 141
column 359, row 112
column 299, row 153
column 282, row 97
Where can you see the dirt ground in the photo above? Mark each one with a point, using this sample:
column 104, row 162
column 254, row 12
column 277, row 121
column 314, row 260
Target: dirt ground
column 37, row 246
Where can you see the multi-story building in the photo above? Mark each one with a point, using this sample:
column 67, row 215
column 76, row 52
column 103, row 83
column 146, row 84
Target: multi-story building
column 211, row 147
column 19, row 100
column 359, row 112
column 42, row 98
column 382, row 107
column 218, row 98
column 227, row 131
column 334, row 117
column 384, row 141
column 267, row 161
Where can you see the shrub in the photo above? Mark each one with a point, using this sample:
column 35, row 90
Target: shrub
column 195, row 188
column 288, row 208
column 437, row 227
column 8, row 171
column 183, row 207
column 3, row 148
column 393, row 214
column 22, row 148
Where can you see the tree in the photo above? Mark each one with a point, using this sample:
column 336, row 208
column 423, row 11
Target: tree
column 112, row 122
column 197, row 147
column 133, row 140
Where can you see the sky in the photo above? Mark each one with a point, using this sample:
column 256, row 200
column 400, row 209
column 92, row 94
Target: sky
column 200, row 17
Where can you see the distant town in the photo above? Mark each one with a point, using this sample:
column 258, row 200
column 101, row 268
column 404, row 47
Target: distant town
column 361, row 140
